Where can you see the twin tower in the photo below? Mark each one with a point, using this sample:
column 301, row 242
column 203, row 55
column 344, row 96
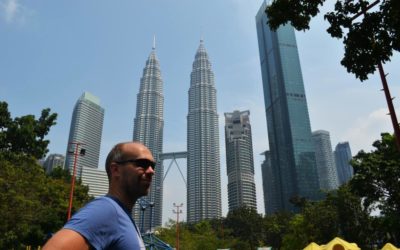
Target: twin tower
column 203, row 162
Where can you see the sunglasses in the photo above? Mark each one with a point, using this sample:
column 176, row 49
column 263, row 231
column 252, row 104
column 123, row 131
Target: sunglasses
column 142, row 163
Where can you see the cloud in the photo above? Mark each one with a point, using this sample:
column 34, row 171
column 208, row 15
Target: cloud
column 367, row 129
column 12, row 11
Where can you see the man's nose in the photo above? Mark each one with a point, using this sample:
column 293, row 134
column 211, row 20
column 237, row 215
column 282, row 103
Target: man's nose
column 150, row 170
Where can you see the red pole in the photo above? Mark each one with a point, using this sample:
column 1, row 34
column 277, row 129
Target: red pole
column 71, row 194
column 178, row 211
column 177, row 231
column 389, row 99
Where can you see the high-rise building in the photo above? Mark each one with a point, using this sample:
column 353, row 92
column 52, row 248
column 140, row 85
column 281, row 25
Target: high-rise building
column 86, row 129
column 96, row 180
column 289, row 130
column 270, row 185
column 327, row 174
column 203, row 165
column 342, row 160
column 239, row 160
column 52, row 161
column 148, row 129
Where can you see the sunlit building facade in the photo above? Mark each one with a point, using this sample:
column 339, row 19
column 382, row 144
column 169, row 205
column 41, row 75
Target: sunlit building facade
column 203, row 162
column 239, row 160
column 148, row 129
column 85, row 133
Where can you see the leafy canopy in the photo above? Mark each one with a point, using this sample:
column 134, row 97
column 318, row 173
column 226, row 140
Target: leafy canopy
column 368, row 39
column 25, row 134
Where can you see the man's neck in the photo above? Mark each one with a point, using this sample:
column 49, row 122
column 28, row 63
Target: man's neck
column 125, row 201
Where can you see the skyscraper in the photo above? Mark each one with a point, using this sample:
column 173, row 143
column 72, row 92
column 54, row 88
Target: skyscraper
column 86, row 129
column 203, row 166
column 289, row 130
column 239, row 160
column 53, row 161
column 270, row 185
column 327, row 174
column 148, row 129
column 342, row 160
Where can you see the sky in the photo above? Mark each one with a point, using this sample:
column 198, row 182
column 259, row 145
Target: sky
column 53, row 51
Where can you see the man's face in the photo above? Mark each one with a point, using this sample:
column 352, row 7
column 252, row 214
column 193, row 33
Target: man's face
column 136, row 170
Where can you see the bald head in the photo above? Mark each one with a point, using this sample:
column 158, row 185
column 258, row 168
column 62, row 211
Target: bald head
column 122, row 151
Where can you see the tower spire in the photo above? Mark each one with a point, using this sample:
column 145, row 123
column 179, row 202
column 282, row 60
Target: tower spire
column 154, row 42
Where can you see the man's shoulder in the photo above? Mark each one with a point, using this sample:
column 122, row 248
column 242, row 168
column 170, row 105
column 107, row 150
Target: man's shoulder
column 102, row 206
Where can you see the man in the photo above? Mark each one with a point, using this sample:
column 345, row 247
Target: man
column 106, row 223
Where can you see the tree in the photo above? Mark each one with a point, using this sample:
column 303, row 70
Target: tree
column 276, row 226
column 369, row 41
column 31, row 203
column 246, row 224
column 25, row 135
column 376, row 179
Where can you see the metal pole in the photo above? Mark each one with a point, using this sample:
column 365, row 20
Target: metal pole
column 178, row 211
column 71, row 194
column 389, row 101
column 142, row 226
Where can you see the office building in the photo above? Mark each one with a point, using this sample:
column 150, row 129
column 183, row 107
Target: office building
column 289, row 130
column 85, row 133
column 342, row 160
column 203, row 165
column 239, row 160
column 148, row 129
column 327, row 174
column 96, row 180
column 270, row 185
column 52, row 161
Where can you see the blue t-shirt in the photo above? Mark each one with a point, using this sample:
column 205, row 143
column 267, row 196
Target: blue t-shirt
column 106, row 225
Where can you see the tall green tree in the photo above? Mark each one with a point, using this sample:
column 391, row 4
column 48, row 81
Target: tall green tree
column 276, row 226
column 367, row 40
column 25, row 134
column 247, row 225
column 31, row 203
column 376, row 179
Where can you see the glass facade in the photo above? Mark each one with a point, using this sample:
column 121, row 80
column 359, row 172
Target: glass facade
column 327, row 174
column 289, row 131
column 342, row 159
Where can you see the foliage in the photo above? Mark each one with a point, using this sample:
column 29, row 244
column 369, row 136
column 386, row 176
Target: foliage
column 25, row 135
column 31, row 203
column 376, row 179
column 246, row 224
column 369, row 39
column 276, row 226
column 354, row 219
column 198, row 236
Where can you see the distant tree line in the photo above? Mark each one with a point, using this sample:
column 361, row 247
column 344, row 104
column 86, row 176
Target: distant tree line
column 347, row 212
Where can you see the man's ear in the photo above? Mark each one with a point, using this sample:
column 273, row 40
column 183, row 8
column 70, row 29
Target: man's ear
column 115, row 169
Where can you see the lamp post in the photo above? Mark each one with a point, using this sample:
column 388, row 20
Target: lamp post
column 143, row 203
column 75, row 152
column 177, row 212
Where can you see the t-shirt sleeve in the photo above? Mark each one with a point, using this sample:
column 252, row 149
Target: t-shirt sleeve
column 95, row 222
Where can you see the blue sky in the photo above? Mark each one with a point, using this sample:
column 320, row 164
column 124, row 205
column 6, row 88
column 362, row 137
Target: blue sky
column 53, row 51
